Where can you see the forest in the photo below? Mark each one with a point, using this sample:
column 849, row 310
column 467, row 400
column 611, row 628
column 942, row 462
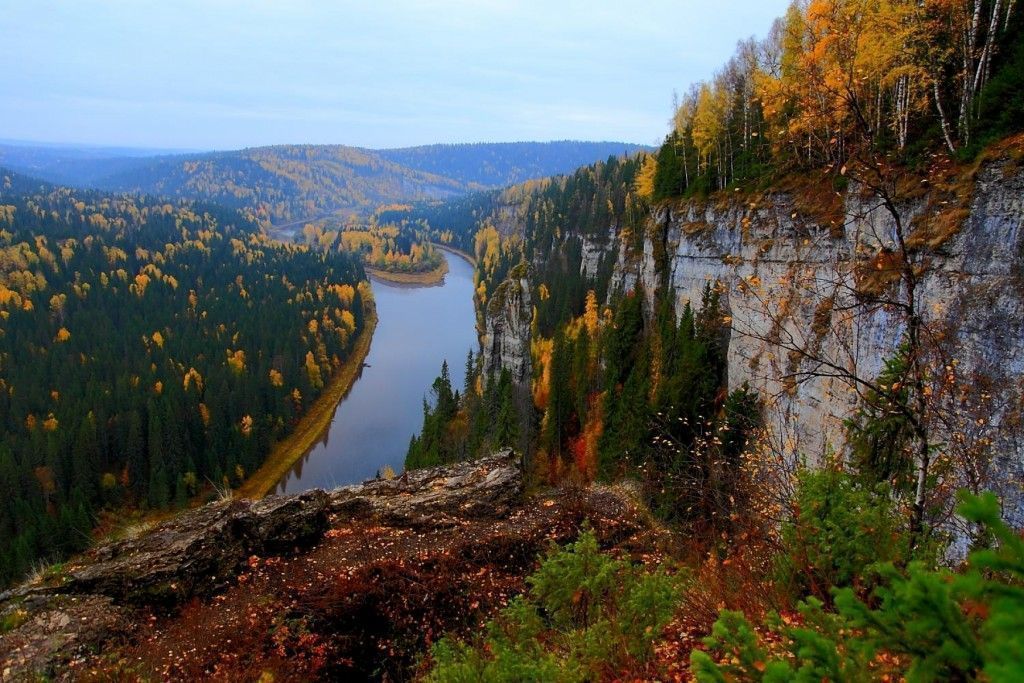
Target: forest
column 151, row 351
column 838, row 85
column 401, row 247
column 284, row 184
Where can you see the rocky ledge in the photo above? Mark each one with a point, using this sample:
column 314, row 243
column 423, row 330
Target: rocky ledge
column 52, row 626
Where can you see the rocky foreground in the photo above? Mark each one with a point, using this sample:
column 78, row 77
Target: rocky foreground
column 353, row 583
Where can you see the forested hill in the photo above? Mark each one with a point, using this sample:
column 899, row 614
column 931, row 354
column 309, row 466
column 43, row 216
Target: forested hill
column 290, row 183
column 148, row 348
column 506, row 163
column 285, row 183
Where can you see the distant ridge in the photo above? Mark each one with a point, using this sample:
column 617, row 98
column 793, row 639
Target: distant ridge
column 502, row 164
column 289, row 183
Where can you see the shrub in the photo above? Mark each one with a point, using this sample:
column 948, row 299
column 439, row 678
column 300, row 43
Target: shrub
column 839, row 528
column 585, row 616
column 919, row 623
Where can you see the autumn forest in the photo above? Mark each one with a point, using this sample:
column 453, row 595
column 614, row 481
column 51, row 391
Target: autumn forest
column 766, row 370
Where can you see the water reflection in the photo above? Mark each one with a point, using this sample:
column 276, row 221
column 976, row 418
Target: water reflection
column 418, row 327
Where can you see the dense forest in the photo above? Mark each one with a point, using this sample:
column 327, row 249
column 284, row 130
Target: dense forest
column 150, row 350
column 555, row 216
column 403, row 246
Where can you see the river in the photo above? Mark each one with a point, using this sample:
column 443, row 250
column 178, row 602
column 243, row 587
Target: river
column 418, row 328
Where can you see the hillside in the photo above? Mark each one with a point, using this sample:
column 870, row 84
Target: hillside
column 147, row 350
column 506, row 163
column 297, row 183
column 350, row 584
column 284, row 184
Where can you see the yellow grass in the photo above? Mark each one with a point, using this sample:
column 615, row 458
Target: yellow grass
column 312, row 425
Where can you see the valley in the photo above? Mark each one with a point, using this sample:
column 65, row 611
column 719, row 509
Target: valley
column 418, row 329
column 744, row 406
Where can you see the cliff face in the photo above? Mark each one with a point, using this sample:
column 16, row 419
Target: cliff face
column 788, row 281
column 506, row 338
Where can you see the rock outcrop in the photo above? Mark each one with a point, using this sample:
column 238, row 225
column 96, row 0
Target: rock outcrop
column 786, row 278
column 65, row 615
column 786, row 274
column 199, row 551
column 789, row 265
column 438, row 495
column 506, row 338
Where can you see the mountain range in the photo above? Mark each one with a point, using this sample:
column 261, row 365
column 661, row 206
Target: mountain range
column 292, row 183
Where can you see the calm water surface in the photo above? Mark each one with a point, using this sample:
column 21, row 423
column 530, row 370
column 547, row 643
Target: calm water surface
column 417, row 329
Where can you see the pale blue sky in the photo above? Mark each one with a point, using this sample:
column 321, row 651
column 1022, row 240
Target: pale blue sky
column 221, row 74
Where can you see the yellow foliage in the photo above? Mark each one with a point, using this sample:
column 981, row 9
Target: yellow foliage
column 590, row 313
column 62, row 335
column 236, row 361
column 541, row 349
column 9, row 296
column 645, row 178
column 276, row 378
column 313, row 371
column 141, row 282
column 193, row 378
column 345, row 293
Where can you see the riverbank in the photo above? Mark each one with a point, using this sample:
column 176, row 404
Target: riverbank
column 426, row 278
column 315, row 421
column 458, row 252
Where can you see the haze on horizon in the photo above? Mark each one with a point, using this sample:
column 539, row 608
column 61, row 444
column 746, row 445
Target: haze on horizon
column 220, row 74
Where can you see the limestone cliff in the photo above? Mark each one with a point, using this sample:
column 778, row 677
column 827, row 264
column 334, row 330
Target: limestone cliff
column 786, row 279
column 790, row 271
column 506, row 338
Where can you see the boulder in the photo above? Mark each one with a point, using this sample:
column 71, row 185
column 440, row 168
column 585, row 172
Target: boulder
column 197, row 552
column 439, row 495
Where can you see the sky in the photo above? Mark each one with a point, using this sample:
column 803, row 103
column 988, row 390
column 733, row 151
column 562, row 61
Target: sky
column 225, row 74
